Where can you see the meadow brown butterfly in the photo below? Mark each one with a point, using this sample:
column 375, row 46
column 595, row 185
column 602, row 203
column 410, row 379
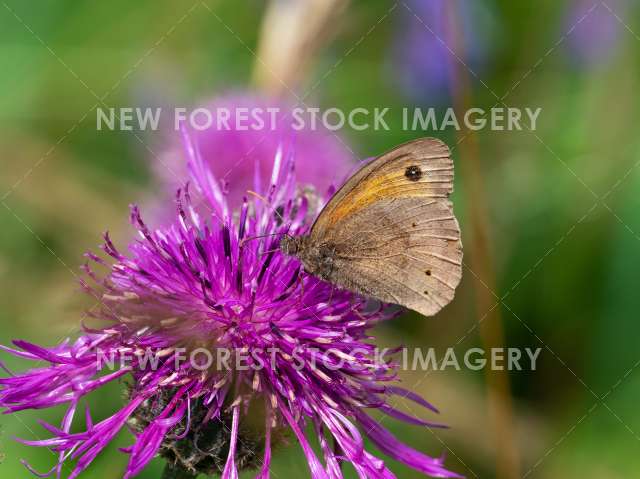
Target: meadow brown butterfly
column 389, row 232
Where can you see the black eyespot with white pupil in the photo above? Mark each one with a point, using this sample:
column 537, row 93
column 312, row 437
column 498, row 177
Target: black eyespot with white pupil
column 413, row 173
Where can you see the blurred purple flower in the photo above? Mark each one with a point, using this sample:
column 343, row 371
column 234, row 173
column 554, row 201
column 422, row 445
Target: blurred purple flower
column 197, row 283
column 592, row 30
column 432, row 38
column 233, row 154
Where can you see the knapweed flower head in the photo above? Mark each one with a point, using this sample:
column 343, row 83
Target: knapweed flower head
column 238, row 133
column 211, row 286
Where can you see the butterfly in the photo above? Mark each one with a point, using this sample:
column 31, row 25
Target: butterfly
column 389, row 232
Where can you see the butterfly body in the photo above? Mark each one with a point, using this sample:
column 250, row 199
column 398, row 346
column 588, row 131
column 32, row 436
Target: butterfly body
column 390, row 233
column 318, row 260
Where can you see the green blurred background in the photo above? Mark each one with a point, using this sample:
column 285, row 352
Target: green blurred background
column 551, row 215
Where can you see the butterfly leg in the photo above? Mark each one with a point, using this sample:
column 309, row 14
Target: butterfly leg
column 301, row 284
column 333, row 287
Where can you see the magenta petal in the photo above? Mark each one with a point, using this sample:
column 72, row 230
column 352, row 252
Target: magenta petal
column 388, row 444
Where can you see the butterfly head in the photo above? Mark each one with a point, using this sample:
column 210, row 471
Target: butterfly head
column 292, row 245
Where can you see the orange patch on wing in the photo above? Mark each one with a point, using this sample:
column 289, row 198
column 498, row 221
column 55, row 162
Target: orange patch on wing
column 392, row 185
column 362, row 195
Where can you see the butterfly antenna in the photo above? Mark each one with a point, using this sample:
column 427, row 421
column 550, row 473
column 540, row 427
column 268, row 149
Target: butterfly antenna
column 251, row 238
column 259, row 196
column 275, row 210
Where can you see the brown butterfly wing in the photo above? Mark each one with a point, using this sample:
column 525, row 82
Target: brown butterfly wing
column 385, row 177
column 392, row 231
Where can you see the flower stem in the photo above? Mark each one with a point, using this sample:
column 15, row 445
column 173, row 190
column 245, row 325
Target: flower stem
column 176, row 471
column 481, row 265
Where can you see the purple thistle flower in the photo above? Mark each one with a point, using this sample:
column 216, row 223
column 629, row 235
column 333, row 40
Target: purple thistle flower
column 246, row 141
column 593, row 30
column 205, row 283
column 430, row 42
